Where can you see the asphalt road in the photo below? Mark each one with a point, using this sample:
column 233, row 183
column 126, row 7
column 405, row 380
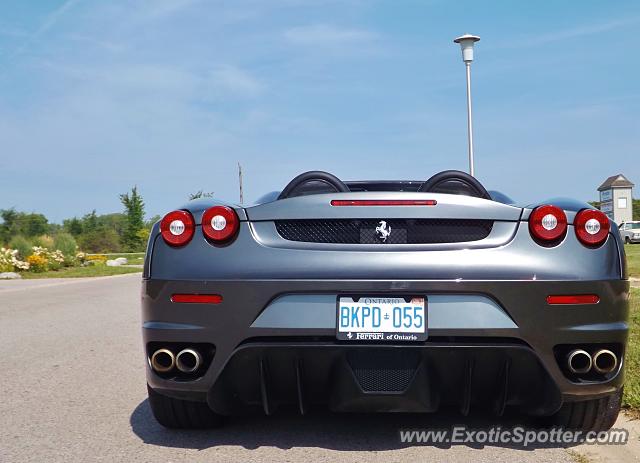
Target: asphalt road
column 72, row 388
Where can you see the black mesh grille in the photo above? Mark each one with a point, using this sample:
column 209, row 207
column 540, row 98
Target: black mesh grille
column 383, row 371
column 402, row 231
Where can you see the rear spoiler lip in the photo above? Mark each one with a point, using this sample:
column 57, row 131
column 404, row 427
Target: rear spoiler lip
column 318, row 206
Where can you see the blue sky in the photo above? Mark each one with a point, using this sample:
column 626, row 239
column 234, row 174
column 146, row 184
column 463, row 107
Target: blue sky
column 170, row 95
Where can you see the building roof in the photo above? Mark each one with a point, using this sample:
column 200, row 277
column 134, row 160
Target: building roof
column 615, row 181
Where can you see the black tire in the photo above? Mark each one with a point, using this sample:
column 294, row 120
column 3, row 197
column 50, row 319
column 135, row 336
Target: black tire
column 589, row 415
column 627, row 240
column 182, row 414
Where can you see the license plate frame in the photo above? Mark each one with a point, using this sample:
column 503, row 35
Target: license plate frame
column 410, row 309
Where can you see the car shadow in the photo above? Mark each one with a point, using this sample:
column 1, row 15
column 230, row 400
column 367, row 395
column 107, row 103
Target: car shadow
column 323, row 429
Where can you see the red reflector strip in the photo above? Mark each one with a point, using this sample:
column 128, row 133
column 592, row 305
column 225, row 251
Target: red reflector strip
column 384, row 202
column 573, row 299
column 197, row 298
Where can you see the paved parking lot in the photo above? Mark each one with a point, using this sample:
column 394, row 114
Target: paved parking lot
column 73, row 389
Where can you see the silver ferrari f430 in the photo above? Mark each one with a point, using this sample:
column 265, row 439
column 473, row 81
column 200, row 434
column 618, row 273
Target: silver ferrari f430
column 385, row 296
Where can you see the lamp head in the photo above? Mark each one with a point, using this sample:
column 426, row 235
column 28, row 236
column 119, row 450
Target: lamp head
column 466, row 43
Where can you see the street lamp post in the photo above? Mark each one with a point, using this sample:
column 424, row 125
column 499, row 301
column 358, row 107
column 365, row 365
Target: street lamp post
column 466, row 43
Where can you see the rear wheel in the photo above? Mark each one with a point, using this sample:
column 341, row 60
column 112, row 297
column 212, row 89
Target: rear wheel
column 627, row 240
column 589, row 415
column 182, row 414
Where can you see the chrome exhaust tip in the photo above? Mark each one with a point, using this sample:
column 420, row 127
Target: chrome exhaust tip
column 579, row 361
column 604, row 361
column 163, row 361
column 188, row 360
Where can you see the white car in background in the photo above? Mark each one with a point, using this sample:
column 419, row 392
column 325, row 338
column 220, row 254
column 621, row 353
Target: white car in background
column 630, row 232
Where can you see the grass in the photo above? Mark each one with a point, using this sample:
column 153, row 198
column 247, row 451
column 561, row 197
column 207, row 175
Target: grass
column 631, row 398
column 633, row 259
column 82, row 272
column 132, row 258
column 632, row 359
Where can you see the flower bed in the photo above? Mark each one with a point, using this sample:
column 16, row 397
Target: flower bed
column 42, row 259
column 9, row 261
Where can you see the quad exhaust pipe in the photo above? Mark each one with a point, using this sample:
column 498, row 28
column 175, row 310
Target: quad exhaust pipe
column 579, row 361
column 163, row 360
column 604, row 361
column 188, row 360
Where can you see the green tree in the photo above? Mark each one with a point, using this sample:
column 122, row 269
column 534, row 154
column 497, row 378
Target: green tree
column 90, row 222
column 22, row 223
column 9, row 224
column 134, row 211
column 72, row 226
column 115, row 221
column 34, row 224
column 636, row 209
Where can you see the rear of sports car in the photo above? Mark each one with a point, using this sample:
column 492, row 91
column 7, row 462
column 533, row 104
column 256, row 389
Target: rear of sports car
column 385, row 301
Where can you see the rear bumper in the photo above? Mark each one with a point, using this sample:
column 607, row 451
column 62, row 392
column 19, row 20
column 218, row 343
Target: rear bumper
column 512, row 344
column 369, row 378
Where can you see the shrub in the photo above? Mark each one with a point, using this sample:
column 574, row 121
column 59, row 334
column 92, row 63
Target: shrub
column 103, row 240
column 53, row 259
column 38, row 263
column 43, row 241
column 66, row 243
column 22, row 245
column 56, row 259
column 81, row 258
column 9, row 261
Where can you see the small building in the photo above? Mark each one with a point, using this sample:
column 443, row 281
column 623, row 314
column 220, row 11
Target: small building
column 616, row 199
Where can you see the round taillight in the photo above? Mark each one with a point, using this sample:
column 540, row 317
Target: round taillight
column 177, row 228
column 592, row 227
column 220, row 223
column 548, row 223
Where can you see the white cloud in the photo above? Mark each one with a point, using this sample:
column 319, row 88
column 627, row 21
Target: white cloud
column 327, row 35
column 170, row 82
column 165, row 81
column 227, row 78
column 576, row 32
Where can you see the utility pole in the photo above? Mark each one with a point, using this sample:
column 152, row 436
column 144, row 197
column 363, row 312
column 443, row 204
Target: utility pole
column 240, row 182
column 466, row 43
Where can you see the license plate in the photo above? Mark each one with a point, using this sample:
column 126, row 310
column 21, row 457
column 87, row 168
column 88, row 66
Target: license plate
column 381, row 318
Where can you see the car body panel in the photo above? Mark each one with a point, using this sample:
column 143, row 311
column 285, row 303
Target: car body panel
column 445, row 311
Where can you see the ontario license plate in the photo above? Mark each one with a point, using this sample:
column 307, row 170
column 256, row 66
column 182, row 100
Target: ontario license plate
column 381, row 318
